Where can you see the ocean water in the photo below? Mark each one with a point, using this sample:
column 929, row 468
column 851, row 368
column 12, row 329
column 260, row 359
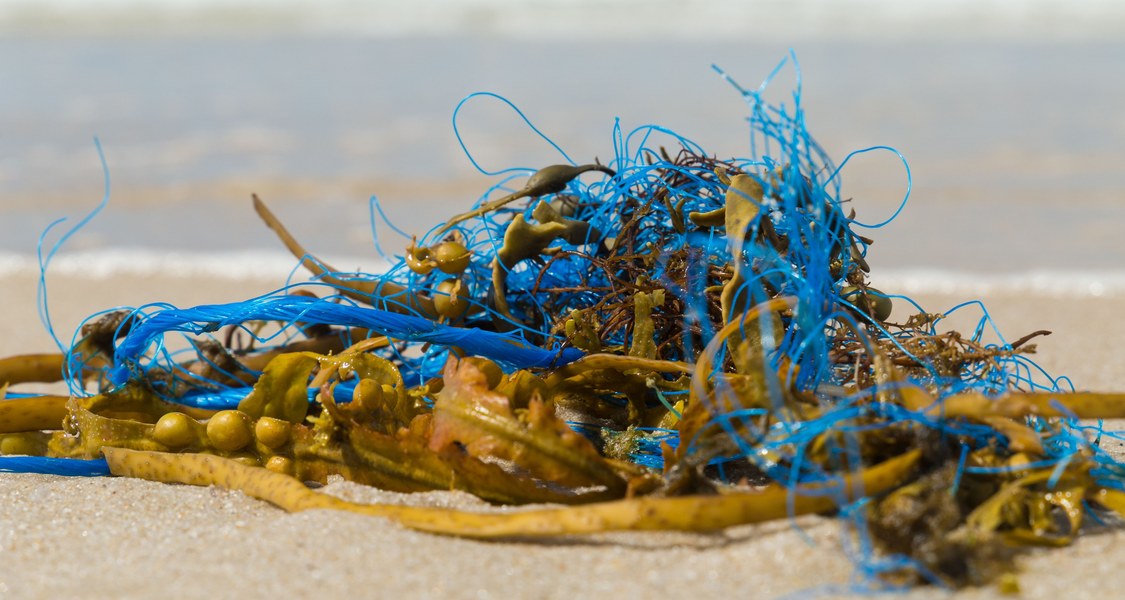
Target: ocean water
column 617, row 19
column 1011, row 115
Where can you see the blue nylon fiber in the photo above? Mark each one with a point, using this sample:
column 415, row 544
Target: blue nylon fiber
column 209, row 318
column 42, row 303
column 70, row 467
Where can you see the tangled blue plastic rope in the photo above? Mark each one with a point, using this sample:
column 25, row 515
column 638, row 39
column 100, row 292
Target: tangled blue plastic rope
column 503, row 348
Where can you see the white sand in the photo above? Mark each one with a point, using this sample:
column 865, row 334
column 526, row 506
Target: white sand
column 122, row 538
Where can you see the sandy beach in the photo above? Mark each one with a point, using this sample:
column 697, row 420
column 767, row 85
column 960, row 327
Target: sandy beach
column 122, row 538
column 1010, row 117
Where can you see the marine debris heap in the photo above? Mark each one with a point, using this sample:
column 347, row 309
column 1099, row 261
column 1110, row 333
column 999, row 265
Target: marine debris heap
column 665, row 341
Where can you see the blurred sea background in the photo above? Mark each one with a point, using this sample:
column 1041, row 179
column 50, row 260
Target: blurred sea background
column 1010, row 113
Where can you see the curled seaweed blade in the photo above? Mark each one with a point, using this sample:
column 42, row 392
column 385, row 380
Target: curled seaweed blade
column 523, row 241
column 1034, row 509
column 713, row 396
column 86, row 433
column 282, row 390
column 470, row 415
column 1021, row 438
column 742, row 200
column 380, row 399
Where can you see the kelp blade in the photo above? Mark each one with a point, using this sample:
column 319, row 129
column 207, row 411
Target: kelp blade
column 686, row 513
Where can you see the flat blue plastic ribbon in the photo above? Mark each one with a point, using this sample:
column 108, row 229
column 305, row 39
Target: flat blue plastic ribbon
column 70, row 467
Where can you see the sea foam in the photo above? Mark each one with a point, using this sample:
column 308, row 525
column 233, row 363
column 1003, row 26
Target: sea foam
column 243, row 264
column 277, row 266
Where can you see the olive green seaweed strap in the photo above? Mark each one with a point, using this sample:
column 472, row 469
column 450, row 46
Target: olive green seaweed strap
column 685, row 513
